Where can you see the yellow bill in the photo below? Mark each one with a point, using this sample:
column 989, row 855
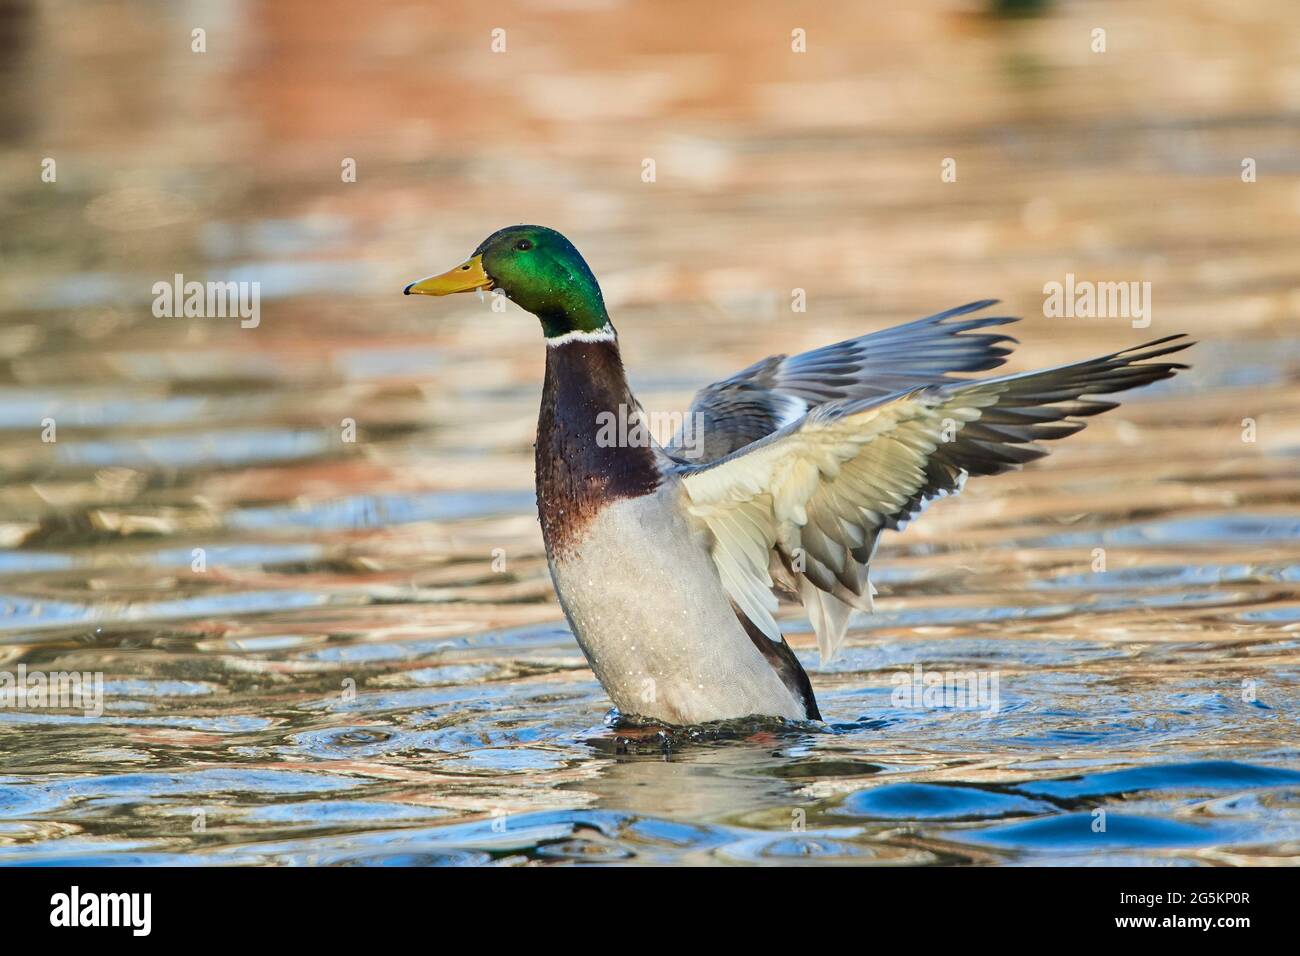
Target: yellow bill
column 464, row 278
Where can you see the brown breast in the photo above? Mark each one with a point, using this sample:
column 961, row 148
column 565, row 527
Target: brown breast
column 579, row 468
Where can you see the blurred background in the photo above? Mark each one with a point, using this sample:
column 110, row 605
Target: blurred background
column 320, row 649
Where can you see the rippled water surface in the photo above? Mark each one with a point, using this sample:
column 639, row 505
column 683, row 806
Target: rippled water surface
column 323, row 650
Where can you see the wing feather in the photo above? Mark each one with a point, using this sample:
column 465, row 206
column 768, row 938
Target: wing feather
column 780, row 389
column 814, row 496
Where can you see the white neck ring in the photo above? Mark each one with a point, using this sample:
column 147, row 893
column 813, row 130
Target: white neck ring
column 603, row 334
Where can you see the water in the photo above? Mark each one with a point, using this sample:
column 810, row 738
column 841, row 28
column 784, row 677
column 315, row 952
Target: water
column 370, row 666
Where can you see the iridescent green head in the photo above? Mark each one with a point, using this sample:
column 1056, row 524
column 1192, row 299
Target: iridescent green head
column 537, row 269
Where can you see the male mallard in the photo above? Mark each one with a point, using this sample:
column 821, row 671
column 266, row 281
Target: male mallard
column 668, row 567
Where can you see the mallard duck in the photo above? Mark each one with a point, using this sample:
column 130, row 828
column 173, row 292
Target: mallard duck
column 669, row 566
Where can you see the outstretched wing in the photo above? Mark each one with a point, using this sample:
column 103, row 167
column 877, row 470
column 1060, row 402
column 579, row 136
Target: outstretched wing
column 810, row 500
column 728, row 415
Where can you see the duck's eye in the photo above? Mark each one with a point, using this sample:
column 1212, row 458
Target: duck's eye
column 523, row 245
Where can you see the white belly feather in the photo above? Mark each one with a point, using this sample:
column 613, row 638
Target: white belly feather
column 645, row 602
